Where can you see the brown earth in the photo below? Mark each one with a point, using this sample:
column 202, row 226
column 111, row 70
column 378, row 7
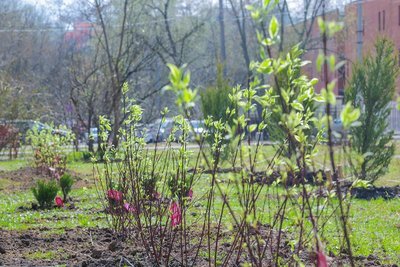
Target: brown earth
column 100, row 247
column 74, row 247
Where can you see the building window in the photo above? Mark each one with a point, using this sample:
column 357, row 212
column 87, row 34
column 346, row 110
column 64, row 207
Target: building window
column 341, row 79
column 379, row 21
column 383, row 23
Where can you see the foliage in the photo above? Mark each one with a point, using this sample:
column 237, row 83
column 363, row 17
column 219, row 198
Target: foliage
column 130, row 183
column 371, row 89
column 49, row 146
column 66, row 182
column 257, row 197
column 45, row 192
column 215, row 99
column 79, row 156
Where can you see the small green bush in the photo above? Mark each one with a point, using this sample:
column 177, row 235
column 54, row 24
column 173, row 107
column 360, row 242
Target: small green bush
column 45, row 192
column 66, row 183
column 76, row 156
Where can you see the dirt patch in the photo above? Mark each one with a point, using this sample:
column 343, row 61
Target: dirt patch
column 101, row 247
column 82, row 247
column 26, row 177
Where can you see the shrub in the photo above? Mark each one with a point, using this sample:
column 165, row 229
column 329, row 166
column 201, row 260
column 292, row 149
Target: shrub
column 50, row 155
column 76, row 156
column 45, row 192
column 371, row 89
column 215, row 99
column 66, row 183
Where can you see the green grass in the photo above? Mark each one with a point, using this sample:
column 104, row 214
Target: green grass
column 47, row 255
column 86, row 213
column 376, row 229
column 84, row 168
column 11, row 165
column 392, row 178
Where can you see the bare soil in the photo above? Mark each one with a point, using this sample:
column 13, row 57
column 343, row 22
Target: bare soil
column 101, row 247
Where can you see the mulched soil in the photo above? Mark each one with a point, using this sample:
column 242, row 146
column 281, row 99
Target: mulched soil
column 376, row 192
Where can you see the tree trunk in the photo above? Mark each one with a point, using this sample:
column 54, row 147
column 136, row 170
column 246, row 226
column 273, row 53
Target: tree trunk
column 222, row 36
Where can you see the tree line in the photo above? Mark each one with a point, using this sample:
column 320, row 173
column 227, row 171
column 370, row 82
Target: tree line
column 69, row 65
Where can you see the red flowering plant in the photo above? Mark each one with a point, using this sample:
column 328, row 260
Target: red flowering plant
column 59, row 202
column 176, row 214
column 115, row 199
column 321, row 259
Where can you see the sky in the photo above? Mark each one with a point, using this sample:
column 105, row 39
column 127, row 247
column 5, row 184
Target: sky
column 47, row 2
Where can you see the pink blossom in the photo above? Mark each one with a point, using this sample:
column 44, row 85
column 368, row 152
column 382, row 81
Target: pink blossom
column 176, row 216
column 190, row 194
column 59, row 202
column 114, row 195
column 321, row 259
column 129, row 208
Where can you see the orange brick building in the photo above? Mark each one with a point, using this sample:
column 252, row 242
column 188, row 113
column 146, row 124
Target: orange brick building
column 380, row 18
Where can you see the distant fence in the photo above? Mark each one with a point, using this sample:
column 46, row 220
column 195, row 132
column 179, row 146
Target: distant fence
column 393, row 120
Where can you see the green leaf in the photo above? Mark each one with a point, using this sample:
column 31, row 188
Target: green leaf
column 266, row 3
column 320, row 61
column 327, row 96
column 285, row 95
column 314, row 81
column 297, row 106
column 186, row 79
column 321, row 25
column 174, row 73
column 332, row 62
column 361, row 184
column 255, row 15
column 349, row 115
column 252, row 127
column 273, row 27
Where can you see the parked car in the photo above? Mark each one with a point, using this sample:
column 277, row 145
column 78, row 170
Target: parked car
column 198, row 128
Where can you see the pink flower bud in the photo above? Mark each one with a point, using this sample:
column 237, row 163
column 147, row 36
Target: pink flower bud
column 190, row 194
column 59, row 202
column 176, row 216
column 321, row 259
column 114, row 195
column 129, row 208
